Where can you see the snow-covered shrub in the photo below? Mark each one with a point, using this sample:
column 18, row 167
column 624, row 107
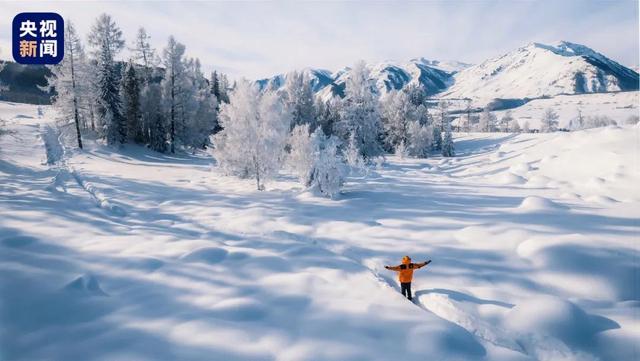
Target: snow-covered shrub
column 353, row 157
column 401, row 150
column 598, row 121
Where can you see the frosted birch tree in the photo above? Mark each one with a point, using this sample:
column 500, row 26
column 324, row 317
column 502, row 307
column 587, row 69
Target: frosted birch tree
column 70, row 81
column 255, row 128
column 549, row 121
column 359, row 114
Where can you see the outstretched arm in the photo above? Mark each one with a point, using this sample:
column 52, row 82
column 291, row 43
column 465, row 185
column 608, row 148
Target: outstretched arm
column 420, row 265
column 393, row 268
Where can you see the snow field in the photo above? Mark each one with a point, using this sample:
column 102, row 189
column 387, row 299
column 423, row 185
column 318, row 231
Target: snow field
column 534, row 255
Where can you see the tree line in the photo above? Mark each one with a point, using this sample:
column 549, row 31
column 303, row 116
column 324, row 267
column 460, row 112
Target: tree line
column 161, row 100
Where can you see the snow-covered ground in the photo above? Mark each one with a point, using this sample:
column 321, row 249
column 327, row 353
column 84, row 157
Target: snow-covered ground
column 133, row 255
column 617, row 106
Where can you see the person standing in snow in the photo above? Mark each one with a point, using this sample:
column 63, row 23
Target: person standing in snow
column 405, row 274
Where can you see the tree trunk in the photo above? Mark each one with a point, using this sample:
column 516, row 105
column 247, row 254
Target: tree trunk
column 173, row 121
column 75, row 101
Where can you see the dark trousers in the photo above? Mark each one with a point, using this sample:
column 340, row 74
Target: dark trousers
column 406, row 289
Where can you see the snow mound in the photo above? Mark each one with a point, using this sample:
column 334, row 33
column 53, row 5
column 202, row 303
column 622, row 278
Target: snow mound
column 86, row 284
column 558, row 318
column 432, row 339
column 210, row 255
column 520, row 168
column 537, row 204
column 538, row 181
column 148, row 264
column 510, row 178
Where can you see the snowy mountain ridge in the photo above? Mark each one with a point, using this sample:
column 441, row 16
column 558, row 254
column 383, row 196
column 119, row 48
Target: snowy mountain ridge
column 538, row 70
column 532, row 71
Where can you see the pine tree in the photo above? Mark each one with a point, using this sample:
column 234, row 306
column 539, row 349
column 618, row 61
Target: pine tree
column 549, row 121
column 255, row 128
column 359, row 115
column 70, row 82
column 106, row 39
column 131, row 103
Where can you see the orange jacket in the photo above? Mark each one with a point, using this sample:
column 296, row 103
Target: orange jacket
column 405, row 270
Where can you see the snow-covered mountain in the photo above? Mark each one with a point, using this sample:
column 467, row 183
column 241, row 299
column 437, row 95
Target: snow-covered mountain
column 434, row 75
column 320, row 78
column 533, row 71
column 538, row 70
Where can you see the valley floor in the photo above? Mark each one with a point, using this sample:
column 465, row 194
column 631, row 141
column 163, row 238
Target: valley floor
column 134, row 255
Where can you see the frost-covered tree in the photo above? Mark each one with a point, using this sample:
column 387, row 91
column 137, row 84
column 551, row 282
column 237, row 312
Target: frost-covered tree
column 447, row 142
column 144, row 54
column 224, row 88
column 131, row 103
column 632, row 120
column 420, row 139
column 443, row 115
column 106, row 40
column 397, row 112
column 316, row 161
column 436, row 135
column 255, row 128
column 70, row 82
column 298, row 96
column 153, row 116
column 401, row 150
column 506, row 121
column 198, row 110
column 359, row 115
column 467, row 110
column 487, row 121
column 327, row 115
column 526, row 128
column 352, row 155
column 173, row 86
column 304, row 148
column 549, row 121
column 329, row 171
column 515, row 126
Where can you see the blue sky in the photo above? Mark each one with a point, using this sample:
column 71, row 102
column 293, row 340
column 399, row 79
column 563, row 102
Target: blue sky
column 259, row 39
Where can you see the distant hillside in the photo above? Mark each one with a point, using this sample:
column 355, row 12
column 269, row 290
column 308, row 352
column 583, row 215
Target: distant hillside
column 23, row 81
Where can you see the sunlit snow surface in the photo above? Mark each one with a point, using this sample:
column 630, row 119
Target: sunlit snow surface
column 133, row 255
